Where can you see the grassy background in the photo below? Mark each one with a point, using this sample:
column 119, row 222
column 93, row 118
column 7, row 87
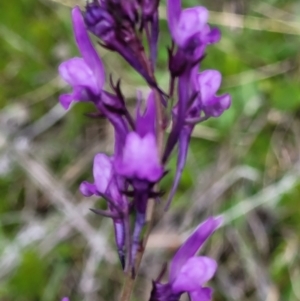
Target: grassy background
column 244, row 164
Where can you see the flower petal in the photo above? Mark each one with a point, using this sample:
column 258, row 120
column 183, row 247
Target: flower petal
column 194, row 273
column 102, row 171
column 217, row 105
column 79, row 93
column 87, row 189
column 146, row 123
column 66, row 100
column 213, row 36
column 193, row 244
column 209, row 82
column 86, row 48
column 191, row 22
column 202, row 294
column 146, row 165
column 173, row 14
column 77, row 73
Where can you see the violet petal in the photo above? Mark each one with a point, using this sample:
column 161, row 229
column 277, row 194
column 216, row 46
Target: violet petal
column 217, row 105
column 209, row 82
column 202, row 294
column 77, row 73
column 86, row 48
column 194, row 273
column 193, row 244
column 146, row 165
column 87, row 189
column 191, row 22
column 102, row 171
column 146, row 123
column 173, row 14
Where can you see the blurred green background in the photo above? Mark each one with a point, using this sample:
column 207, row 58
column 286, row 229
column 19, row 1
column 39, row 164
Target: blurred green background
column 244, row 164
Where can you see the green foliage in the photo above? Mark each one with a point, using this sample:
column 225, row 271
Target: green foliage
column 29, row 280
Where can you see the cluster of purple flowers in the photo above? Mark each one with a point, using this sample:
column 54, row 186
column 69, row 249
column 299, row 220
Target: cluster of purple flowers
column 128, row 178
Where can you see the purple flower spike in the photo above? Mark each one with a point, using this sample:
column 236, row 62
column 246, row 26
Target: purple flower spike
column 208, row 83
column 86, row 75
column 65, row 299
column 188, row 272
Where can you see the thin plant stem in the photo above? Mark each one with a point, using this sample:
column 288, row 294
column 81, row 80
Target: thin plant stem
column 128, row 244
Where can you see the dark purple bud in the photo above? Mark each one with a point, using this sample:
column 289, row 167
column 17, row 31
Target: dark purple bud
column 154, row 39
column 100, row 23
column 149, row 8
column 130, row 9
column 118, row 35
column 163, row 292
column 177, row 62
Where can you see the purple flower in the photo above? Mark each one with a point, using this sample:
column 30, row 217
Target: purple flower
column 205, row 105
column 105, row 185
column 65, row 299
column 140, row 165
column 86, row 75
column 140, row 158
column 188, row 272
column 103, row 177
column 189, row 27
column 207, row 84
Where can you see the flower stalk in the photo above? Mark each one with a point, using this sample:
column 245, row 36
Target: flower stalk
column 128, row 180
